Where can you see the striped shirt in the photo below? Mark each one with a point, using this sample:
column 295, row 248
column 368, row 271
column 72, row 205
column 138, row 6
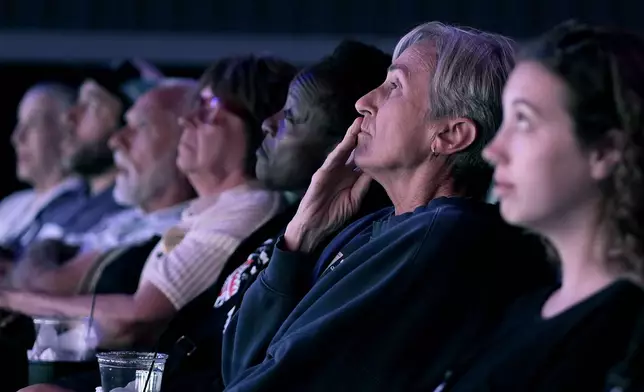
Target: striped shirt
column 191, row 255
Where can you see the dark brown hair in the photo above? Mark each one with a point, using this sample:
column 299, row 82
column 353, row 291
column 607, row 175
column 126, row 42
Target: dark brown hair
column 254, row 88
column 603, row 70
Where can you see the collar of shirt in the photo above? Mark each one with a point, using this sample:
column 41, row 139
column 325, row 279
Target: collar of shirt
column 201, row 204
column 134, row 215
column 165, row 213
column 68, row 184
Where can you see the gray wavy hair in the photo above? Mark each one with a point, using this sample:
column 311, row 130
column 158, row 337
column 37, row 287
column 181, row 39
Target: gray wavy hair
column 471, row 68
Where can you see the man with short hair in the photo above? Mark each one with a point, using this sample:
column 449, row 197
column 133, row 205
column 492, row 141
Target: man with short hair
column 397, row 294
column 38, row 139
column 39, row 133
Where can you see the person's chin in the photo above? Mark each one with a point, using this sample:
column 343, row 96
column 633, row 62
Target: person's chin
column 510, row 213
column 183, row 164
column 261, row 169
column 23, row 175
column 124, row 197
column 362, row 158
column 264, row 176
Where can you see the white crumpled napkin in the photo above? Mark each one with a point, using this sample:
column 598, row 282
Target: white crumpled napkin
column 131, row 387
column 73, row 345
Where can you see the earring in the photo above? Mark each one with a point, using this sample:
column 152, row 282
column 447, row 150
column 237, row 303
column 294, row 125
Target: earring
column 434, row 151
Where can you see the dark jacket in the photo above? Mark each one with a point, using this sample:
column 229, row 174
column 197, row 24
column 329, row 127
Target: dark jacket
column 391, row 301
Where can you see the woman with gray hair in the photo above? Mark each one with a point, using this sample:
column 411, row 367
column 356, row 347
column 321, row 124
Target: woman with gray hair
column 399, row 292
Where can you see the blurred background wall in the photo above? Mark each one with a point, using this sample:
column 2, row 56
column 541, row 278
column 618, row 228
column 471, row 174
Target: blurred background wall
column 62, row 39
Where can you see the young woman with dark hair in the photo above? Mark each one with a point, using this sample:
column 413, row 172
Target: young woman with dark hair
column 569, row 165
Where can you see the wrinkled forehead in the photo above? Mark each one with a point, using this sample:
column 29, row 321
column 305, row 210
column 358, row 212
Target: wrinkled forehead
column 144, row 109
column 419, row 57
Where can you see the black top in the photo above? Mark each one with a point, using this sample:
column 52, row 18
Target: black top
column 571, row 351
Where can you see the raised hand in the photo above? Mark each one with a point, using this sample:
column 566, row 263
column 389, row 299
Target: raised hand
column 335, row 194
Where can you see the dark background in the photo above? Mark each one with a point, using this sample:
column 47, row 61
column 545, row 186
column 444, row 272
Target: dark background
column 61, row 40
column 388, row 17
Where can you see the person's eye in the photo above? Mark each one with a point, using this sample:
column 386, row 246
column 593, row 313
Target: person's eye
column 522, row 121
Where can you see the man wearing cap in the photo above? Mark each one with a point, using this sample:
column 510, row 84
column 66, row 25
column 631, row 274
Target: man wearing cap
column 95, row 116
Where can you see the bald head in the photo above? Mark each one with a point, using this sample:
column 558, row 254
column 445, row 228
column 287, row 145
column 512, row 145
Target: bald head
column 145, row 150
column 174, row 97
column 160, row 108
column 39, row 133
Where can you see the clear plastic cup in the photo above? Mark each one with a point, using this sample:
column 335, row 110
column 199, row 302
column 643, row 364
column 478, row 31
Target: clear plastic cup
column 63, row 340
column 131, row 370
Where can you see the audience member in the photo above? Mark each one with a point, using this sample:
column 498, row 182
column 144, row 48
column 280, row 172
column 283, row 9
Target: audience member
column 568, row 165
column 38, row 139
column 401, row 291
column 318, row 109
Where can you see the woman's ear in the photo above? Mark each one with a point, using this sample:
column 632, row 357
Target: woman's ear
column 606, row 155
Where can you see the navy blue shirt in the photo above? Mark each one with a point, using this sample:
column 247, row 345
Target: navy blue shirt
column 65, row 201
column 83, row 216
column 391, row 301
column 73, row 212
